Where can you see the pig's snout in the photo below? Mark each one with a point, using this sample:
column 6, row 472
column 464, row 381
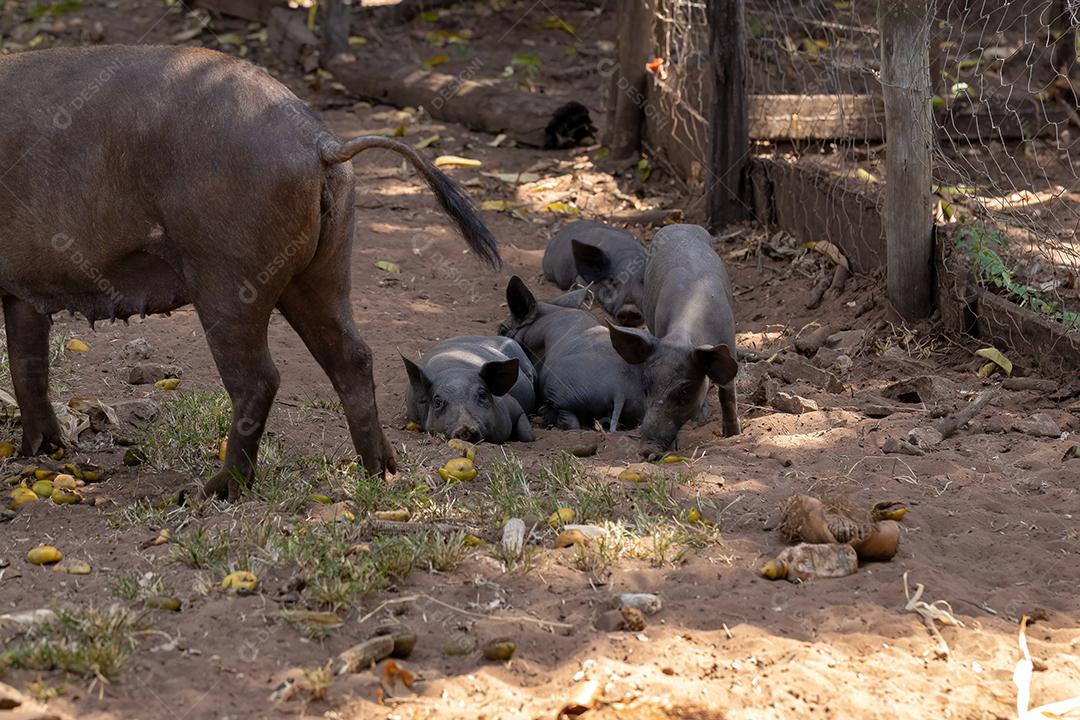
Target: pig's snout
column 467, row 433
column 629, row 315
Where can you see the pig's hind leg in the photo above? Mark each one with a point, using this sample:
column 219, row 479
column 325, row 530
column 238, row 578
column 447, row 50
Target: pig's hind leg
column 729, row 409
column 28, row 358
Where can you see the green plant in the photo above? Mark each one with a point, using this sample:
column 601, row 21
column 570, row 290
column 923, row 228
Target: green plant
column 88, row 641
column 980, row 244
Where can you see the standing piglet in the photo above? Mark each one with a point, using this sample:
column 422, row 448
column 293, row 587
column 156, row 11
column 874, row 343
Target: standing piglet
column 581, row 378
column 687, row 308
column 612, row 260
column 474, row 388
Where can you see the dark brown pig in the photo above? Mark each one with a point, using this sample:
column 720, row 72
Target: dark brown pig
column 134, row 180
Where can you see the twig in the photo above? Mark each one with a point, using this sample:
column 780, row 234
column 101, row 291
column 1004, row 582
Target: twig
column 951, row 424
column 462, row 611
column 938, row 610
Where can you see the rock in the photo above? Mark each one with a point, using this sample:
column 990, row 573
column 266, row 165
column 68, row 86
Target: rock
column 808, row 343
column 924, row 437
column 360, row 657
column 792, row 404
column 150, row 373
column 1040, row 425
column 797, row 368
column 847, row 342
column 647, row 603
column 1021, row 384
column 138, row 411
column 764, row 392
column 513, row 538
column 132, row 351
column 896, row 446
column 833, row 361
column 625, row 619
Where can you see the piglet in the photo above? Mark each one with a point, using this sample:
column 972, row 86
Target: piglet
column 581, row 378
column 474, row 388
column 612, row 260
column 690, row 338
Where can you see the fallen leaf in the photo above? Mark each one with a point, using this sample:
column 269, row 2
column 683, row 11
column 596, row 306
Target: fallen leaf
column 865, row 175
column 425, row 142
column 497, row 205
column 551, row 22
column 995, row 356
column 388, row 266
column 435, row 60
column 561, row 208
column 830, row 251
column 455, row 161
column 356, row 41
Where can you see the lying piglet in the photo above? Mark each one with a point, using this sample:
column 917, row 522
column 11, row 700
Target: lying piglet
column 687, row 308
column 581, row 378
column 612, row 260
column 474, row 388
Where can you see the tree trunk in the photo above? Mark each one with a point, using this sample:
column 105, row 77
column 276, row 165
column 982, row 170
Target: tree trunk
column 335, row 28
column 626, row 91
column 727, row 186
column 909, row 129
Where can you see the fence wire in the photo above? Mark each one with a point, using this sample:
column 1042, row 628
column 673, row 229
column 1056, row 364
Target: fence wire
column 1006, row 127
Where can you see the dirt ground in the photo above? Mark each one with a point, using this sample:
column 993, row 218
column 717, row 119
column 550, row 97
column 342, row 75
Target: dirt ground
column 992, row 526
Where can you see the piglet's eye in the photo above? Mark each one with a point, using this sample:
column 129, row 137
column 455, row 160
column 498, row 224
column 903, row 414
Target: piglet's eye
column 439, row 403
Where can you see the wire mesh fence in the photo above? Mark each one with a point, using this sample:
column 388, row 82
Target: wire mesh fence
column 1004, row 136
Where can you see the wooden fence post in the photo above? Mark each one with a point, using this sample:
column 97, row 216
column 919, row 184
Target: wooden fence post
column 909, row 131
column 727, row 186
column 626, row 91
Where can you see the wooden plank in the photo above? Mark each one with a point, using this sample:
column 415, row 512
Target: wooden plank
column 817, row 117
column 812, row 205
column 909, row 225
column 727, row 188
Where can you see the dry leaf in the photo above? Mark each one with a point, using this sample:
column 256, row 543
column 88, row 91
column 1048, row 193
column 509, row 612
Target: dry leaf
column 455, row 161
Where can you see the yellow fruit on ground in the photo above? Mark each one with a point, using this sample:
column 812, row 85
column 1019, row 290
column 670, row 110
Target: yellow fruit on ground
column 74, row 345
column 458, row 469
column 167, row 384
column 466, row 449
column 68, row 482
column 631, row 475
column 674, row 459
column 6, row 450
column 562, row 516
column 223, row 447
column 44, row 555
column 240, row 581
column 321, row 499
column 412, row 427
column 393, row 515
column 63, row 496
column 43, row 488
column 57, row 454
column 20, row 496
column 44, row 474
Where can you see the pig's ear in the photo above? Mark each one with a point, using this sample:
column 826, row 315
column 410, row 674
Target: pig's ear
column 633, row 345
column 719, row 365
column 571, row 300
column 418, row 379
column 500, row 375
column 519, row 298
column 592, row 262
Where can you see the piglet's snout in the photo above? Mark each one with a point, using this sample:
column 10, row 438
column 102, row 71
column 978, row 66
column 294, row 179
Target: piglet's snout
column 467, row 433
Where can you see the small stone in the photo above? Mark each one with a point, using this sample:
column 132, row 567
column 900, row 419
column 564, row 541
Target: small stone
column 793, row 404
column 647, row 603
column 896, row 446
column 1040, row 425
column 138, row 411
column 133, row 351
column 846, row 341
column 924, row 437
column 809, row 342
column 150, row 373
column 513, row 538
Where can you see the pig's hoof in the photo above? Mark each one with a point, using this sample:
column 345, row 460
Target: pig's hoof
column 379, row 461
column 40, row 441
column 220, row 487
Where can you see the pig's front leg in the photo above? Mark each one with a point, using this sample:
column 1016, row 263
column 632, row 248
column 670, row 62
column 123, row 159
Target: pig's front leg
column 523, row 430
column 28, row 356
column 729, row 409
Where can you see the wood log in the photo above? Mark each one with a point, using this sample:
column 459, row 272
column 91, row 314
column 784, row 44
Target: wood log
column 727, row 186
column 526, row 118
column 626, row 88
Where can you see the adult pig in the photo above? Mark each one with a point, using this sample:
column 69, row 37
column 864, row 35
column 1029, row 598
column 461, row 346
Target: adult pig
column 581, row 379
column 612, row 260
column 690, row 338
column 474, row 388
column 135, row 180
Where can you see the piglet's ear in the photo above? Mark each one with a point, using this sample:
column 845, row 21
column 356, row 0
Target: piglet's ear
column 419, row 382
column 519, row 298
column 592, row 263
column 719, row 365
column 633, row 345
column 499, row 375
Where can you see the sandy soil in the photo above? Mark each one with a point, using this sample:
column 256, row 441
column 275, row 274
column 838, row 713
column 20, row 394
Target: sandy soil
column 992, row 527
